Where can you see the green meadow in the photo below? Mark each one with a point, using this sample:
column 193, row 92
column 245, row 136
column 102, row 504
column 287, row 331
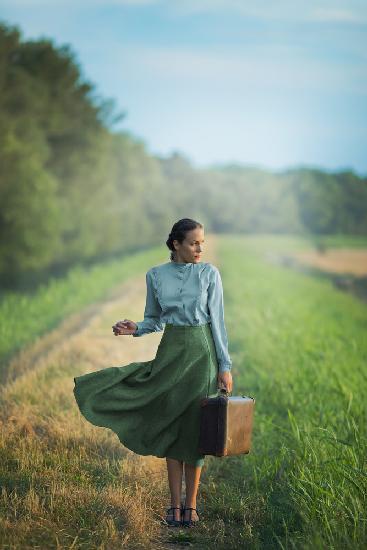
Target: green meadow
column 298, row 345
column 25, row 316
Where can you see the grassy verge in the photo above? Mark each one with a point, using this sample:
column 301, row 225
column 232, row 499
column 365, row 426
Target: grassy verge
column 26, row 316
column 299, row 347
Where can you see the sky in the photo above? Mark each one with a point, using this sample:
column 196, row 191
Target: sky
column 271, row 83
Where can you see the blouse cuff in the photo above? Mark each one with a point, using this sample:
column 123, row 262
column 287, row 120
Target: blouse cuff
column 138, row 331
column 225, row 367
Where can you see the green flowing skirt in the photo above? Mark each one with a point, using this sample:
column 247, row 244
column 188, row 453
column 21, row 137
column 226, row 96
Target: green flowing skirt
column 154, row 406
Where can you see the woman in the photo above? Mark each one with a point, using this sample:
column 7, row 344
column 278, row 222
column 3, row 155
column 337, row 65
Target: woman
column 154, row 406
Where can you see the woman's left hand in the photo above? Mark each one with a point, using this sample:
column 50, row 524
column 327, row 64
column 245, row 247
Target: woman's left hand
column 225, row 380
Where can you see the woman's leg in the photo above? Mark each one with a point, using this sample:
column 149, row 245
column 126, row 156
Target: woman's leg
column 175, row 472
column 192, row 479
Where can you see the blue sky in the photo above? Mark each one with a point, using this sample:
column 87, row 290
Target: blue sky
column 272, row 83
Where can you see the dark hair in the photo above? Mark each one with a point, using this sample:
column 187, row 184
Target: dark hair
column 179, row 231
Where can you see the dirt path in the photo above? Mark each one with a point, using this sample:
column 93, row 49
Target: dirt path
column 338, row 260
column 38, row 401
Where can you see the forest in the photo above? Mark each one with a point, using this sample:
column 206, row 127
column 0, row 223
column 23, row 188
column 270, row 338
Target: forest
column 74, row 189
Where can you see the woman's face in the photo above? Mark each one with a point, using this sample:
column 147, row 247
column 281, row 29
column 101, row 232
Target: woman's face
column 191, row 248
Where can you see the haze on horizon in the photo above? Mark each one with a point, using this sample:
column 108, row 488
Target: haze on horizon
column 274, row 84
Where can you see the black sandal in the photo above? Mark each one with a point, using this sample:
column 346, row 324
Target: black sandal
column 189, row 522
column 173, row 522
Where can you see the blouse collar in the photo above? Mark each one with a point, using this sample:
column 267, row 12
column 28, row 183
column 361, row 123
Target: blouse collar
column 181, row 263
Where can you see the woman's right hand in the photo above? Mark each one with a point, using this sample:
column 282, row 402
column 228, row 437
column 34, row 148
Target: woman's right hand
column 124, row 327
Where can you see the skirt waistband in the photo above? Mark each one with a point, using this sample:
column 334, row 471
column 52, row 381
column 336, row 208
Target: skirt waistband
column 170, row 326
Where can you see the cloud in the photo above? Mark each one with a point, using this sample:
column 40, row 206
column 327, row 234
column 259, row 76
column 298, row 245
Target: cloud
column 339, row 16
column 343, row 11
column 281, row 69
column 80, row 4
column 338, row 11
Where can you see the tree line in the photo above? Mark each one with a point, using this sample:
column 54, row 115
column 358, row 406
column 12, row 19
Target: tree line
column 73, row 189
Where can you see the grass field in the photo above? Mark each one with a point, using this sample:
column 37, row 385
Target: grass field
column 301, row 350
column 298, row 346
column 26, row 316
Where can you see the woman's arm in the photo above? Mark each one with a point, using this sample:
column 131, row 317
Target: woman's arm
column 152, row 312
column 216, row 309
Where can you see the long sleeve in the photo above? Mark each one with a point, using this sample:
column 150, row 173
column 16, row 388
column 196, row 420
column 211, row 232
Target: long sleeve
column 216, row 310
column 152, row 313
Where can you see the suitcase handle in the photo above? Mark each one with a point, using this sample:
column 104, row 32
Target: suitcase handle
column 222, row 391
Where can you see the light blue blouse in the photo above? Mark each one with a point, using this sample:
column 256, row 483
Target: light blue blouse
column 186, row 294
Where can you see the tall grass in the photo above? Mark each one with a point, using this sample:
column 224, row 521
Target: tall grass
column 25, row 316
column 299, row 347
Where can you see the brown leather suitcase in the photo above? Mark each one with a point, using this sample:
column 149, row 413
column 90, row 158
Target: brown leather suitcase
column 226, row 424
